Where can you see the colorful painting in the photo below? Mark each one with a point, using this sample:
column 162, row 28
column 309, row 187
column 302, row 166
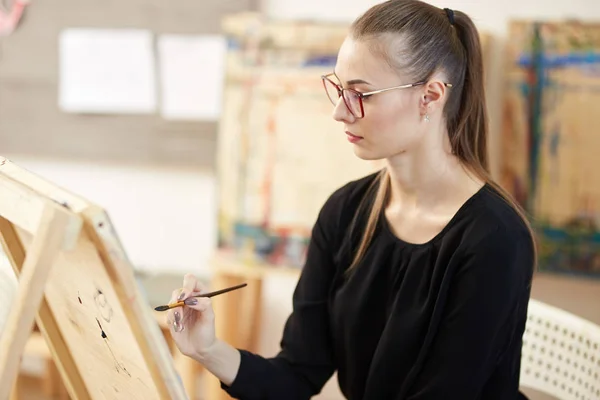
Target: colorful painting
column 551, row 139
column 281, row 154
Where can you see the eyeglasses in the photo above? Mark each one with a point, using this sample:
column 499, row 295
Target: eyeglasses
column 353, row 99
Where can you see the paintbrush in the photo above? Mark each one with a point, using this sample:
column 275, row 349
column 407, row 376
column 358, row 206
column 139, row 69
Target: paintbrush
column 209, row 294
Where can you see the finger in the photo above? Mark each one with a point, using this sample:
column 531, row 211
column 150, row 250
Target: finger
column 177, row 321
column 193, row 294
column 201, row 304
column 178, row 317
column 190, row 284
column 197, row 303
column 174, row 315
column 190, row 315
column 172, row 300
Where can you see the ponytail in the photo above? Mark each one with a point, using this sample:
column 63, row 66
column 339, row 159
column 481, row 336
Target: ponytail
column 469, row 129
column 469, row 136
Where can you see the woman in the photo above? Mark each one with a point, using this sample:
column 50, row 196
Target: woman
column 417, row 278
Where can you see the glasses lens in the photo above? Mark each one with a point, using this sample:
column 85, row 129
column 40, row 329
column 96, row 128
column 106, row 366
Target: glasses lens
column 331, row 90
column 353, row 102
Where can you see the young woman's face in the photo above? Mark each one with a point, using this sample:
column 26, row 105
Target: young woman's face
column 393, row 121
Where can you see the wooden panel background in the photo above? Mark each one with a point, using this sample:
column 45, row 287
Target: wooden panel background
column 30, row 120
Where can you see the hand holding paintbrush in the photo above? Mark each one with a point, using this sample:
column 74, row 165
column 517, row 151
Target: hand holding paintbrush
column 191, row 317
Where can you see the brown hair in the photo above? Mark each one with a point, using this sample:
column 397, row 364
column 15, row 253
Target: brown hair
column 434, row 39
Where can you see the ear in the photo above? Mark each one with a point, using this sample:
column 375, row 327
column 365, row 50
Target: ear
column 432, row 95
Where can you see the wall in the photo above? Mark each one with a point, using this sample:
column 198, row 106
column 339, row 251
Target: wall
column 487, row 14
column 155, row 177
column 165, row 216
column 30, row 121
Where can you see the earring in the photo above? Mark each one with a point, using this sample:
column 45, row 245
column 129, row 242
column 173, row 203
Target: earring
column 426, row 117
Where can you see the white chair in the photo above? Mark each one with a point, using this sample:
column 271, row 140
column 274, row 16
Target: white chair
column 561, row 354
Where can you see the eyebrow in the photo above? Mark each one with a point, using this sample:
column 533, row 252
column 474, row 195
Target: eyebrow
column 352, row 81
column 356, row 82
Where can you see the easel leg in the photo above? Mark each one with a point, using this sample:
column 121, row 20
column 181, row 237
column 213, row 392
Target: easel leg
column 14, row 395
column 73, row 383
column 51, row 375
column 238, row 327
column 251, row 315
column 53, row 385
column 188, row 370
column 45, row 248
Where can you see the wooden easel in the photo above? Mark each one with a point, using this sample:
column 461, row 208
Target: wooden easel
column 76, row 282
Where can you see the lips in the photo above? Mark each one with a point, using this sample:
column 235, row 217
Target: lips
column 353, row 135
column 352, row 138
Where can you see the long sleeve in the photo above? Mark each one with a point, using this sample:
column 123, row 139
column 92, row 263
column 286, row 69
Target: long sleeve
column 481, row 321
column 305, row 362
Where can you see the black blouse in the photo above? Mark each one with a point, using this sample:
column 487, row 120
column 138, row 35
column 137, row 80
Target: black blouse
column 439, row 320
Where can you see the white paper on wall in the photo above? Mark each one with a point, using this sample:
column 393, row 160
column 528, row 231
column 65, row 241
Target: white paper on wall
column 107, row 71
column 192, row 70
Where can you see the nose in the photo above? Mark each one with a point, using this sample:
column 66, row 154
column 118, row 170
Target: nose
column 341, row 112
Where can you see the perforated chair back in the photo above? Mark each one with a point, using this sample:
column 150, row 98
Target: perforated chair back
column 561, row 354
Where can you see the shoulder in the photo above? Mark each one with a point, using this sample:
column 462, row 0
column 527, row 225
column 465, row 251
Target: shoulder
column 493, row 217
column 496, row 238
column 340, row 207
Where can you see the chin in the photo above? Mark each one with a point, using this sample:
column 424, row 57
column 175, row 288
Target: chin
column 368, row 155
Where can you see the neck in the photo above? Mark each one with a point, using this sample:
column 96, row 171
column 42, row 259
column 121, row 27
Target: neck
column 423, row 177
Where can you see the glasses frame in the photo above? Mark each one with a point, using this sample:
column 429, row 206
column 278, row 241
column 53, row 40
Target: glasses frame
column 362, row 95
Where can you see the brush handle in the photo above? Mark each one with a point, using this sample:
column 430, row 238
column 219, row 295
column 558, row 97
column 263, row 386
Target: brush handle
column 216, row 292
